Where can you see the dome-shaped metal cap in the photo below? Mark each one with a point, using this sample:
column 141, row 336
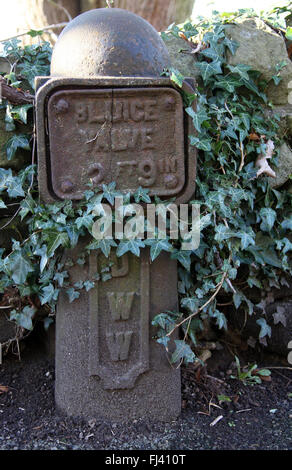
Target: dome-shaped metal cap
column 109, row 42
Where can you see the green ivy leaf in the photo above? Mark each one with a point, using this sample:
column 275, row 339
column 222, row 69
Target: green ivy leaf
column 265, row 328
column 23, row 318
column 20, row 268
column 16, row 142
column 241, row 70
column 176, row 77
column 288, row 34
column 157, row 246
column 132, row 246
column 184, row 257
column 191, row 303
column 142, row 194
column 202, row 144
column 60, row 277
column 72, row 294
column 209, row 69
column 182, row 352
column 198, row 117
column 48, row 293
column 54, row 240
column 104, row 245
column 268, row 217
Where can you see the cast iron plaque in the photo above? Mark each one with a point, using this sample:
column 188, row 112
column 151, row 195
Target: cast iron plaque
column 132, row 136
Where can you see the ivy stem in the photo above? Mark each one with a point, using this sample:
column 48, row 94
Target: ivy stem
column 218, row 287
column 242, row 158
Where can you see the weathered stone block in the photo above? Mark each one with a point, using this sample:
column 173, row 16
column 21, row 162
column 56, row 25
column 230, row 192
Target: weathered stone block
column 284, row 168
column 181, row 57
column 107, row 363
column 262, row 48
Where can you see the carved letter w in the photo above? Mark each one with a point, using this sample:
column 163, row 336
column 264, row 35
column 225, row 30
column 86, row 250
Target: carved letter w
column 119, row 345
column 120, row 304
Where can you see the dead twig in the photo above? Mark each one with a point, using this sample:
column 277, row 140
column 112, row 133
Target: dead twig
column 196, row 48
column 215, row 378
column 218, row 287
column 243, row 411
column 216, row 420
column 44, row 29
column 242, row 158
column 61, row 7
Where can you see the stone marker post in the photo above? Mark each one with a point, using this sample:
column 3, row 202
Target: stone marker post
column 104, row 115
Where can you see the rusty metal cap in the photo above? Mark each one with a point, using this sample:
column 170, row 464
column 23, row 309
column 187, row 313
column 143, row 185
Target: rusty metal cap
column 109, row 42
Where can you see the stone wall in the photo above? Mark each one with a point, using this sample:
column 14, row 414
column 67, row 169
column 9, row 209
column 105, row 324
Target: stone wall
column 262, row 48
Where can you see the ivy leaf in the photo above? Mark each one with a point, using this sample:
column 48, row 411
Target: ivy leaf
column 88, row 285
column 20, row 112
column 232, row 45
column 268, row 217
column 60, row 277
column 265, row 328
column 241, row 70
column 221, row 321
column 2, row 204
column 288, row 34
column 287, row 224
column 72, row 294
column 42, row 252
column 164, row 321
column 48, row 293
column 247, row 239
column 130, row 245
column 54, row 240
column 164, row 341
column 202, row 144
column 104, row 245
column 237, row 299
column 157, row 246
column 109, row 192
column 198, row 117
column 176, row 77
column 73, row 234
column 246, row 120
column 142, row 194
column 191, row 303
column 17, row 141
column 184, row 257
column 20, row 268
column 211, row 53
column 280, row 317
column 182, row 352
column 209, row 69
column 27, row 206
column 47, row 322
column 23, row 318
column 85, row 220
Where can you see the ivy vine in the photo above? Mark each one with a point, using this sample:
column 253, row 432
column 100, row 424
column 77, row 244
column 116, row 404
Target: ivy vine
column 245, row 224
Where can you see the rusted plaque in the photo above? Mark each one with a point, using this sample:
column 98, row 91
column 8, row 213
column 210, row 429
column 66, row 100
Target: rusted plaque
column 132, row 136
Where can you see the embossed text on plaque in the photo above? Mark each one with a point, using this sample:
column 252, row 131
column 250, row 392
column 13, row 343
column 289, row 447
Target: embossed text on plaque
column 132, row 136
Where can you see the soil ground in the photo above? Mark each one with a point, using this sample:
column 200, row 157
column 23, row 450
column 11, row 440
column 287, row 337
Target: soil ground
column 257, row 417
